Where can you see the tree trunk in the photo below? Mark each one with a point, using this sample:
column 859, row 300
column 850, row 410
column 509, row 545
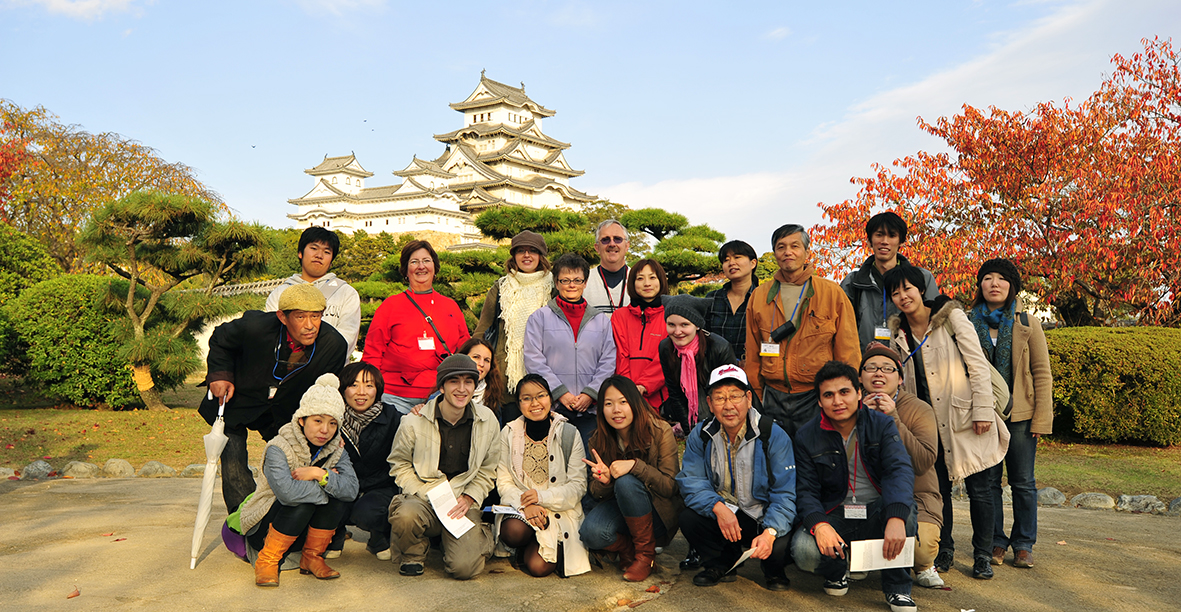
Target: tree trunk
column 147, row 387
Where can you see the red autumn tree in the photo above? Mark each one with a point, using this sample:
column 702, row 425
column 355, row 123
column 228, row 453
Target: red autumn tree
column 1082, row 197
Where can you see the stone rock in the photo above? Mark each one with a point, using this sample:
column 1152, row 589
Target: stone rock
column 1050, row 496
column 1007, row 495
column 81, row 469
column 36, row 470
column 1147, row 504
column 1175, row 507
column 118, row 468
column 6, row 473
column 155, row 469
column 193, row 470
column 1093, row 501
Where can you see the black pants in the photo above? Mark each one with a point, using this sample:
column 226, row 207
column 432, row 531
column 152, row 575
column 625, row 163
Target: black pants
column 718, row 553
column 236, row 480
column 370, row 512
column 873, row 527
column 295, row 520
column 979, row 490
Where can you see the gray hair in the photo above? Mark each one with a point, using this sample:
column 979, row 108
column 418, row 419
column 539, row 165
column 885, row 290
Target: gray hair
column 788, row 230
column 604, row 224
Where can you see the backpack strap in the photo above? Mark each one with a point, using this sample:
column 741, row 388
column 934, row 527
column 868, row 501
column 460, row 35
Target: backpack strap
column 765, row 438
column 568, row 433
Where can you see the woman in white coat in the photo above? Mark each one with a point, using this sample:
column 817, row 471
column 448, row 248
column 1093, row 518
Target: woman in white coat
column 946, row 368
column 541, row 474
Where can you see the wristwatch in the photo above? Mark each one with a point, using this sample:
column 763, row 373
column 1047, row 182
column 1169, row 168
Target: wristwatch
column 774, row 533
column 324, row 481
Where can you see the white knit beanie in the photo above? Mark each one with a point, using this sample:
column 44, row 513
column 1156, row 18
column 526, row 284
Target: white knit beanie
column 322, row 398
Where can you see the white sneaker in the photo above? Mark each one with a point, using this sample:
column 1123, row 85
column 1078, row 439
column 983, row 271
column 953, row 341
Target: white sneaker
column 385, row 555
column 331, row 554
column 901, row 603
column 858, row 575
column 929, row 578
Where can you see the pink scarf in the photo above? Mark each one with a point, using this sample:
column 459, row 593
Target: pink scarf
column 688, row 355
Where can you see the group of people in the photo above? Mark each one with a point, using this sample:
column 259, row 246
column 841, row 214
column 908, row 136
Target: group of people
column 813, row 415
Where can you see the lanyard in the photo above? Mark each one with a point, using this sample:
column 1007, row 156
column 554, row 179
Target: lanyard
column 884, row 317
column 799, row 299
column 275, row 369
column 622, row 291
column 916, row 349
column 853, row 482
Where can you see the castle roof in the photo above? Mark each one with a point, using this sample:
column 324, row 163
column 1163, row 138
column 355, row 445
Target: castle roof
column 491, row 93
column 347, row 164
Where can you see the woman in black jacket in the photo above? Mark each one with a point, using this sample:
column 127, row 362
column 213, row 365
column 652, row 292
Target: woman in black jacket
column 368, row 430
column 687, row 356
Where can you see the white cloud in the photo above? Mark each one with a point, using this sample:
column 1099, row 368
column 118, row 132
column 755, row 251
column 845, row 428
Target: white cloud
column 80, row 9
column 576, row 15
column 339, row 7
column 779, row 33
column 1064, row 55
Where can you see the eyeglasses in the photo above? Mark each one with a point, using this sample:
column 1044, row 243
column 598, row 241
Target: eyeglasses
column 873, row 369
column 526, row 251
column 529, row 399
column 420, row 262
column 610, row 239
column 571, row 281
column 732, row 399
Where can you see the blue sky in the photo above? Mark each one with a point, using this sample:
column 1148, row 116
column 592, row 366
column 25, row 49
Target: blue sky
column 742, row 115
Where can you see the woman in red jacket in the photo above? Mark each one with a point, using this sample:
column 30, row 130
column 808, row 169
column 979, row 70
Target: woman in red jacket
column 413, row 331
column 639, row 328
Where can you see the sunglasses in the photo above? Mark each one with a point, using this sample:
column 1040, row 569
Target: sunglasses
column 610, row 239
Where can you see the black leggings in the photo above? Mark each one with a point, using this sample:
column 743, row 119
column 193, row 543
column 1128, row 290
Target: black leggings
column 295, row 520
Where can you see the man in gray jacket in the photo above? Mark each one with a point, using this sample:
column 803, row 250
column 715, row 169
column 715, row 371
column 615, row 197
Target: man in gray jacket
column 318, row 248
column 885, row 232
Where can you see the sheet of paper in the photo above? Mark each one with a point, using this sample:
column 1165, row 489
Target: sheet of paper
column 744, row 557
column 866, row 556
column 443, row 500
column 507, row 511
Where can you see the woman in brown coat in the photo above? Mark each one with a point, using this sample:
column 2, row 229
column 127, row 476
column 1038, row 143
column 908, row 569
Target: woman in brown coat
column 634, row 477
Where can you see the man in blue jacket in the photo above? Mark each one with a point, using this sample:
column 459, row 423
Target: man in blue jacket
column 738, row 480
column 855, row 482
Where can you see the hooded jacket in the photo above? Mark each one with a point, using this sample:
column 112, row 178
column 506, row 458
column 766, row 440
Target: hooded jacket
column 343, row 309
column 569, row 366
column 638, row 333
column 822, row 467
column 863, row 287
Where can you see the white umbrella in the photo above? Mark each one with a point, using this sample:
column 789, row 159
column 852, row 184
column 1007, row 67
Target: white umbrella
column 215, row 441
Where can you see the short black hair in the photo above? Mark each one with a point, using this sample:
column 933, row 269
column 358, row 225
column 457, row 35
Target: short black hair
column 536, row 379
column 319, row 234
column 889, row 221
column 737, row 247
column 786, row 230
column 834, row 370
column 351, row 372
column 912, row 274
column 571, row 261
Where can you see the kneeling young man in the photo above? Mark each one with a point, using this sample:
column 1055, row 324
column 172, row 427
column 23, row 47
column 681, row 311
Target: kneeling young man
column 738, row 480
column 455, row 440
column 855, row 482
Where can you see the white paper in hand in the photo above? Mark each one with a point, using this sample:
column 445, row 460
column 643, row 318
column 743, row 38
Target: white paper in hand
column 443, row 500
column 745, row 555
column 866, row 556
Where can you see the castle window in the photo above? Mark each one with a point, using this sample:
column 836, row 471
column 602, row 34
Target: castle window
column 334, row 180
column 346, row 180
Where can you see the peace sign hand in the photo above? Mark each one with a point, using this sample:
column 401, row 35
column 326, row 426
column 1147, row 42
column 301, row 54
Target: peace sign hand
column 599, row 470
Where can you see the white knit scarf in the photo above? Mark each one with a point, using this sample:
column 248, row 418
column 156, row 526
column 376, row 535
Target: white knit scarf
column 521, row 294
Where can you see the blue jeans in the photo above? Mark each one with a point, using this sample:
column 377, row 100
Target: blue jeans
column 403, row 404
column 605, row 520
column 1019, row 462
column 808, row 558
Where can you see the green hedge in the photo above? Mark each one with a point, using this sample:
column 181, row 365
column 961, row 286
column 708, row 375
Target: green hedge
column 1118, row 384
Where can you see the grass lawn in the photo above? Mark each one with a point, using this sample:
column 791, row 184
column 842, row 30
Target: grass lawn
column 1114, row 469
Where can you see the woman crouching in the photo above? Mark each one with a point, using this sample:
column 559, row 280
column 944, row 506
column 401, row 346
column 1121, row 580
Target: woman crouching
column 541, row 473
column 308, row 472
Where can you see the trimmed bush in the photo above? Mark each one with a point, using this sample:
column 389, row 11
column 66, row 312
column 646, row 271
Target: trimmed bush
column 1118, row 384
column 68, row 326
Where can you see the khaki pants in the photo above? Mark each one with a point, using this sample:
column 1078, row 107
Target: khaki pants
column 413, row 523
column 926, row 546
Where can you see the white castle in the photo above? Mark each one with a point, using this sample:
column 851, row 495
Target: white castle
column 500, row 156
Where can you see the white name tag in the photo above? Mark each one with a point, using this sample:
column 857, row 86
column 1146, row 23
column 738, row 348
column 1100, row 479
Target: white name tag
column 426, row 344
column 881, row 333
column 856, row 511
column 769, row 349
column 271, row 392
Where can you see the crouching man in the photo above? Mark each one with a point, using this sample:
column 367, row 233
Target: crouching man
column 738, row 480
column 452, row 440
column 854, row 482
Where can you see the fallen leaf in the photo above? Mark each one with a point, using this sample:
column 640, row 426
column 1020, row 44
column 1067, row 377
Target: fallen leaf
column 14, row 477
column 496, row 571
column 636, row 603
column 119, row 539
column 47, row 457
column 10, row 446
column 107, row 535
column 623, row 602
column 74, row 593
column 1111, row 539
column 67, row 477
column 1062, row 542
column 653, row 589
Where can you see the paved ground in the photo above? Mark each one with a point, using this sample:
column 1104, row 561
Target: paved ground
column 53, row 541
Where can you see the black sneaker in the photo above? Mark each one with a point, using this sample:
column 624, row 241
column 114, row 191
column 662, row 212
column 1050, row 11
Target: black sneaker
column 692, row 560
column 410, row 569
column 944, row 560
column 982, row 568
column 837, row 588
column 777, row 583
column 708, row 577
column 900, row 603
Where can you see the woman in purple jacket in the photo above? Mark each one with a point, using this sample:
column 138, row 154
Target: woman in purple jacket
column 571, row 346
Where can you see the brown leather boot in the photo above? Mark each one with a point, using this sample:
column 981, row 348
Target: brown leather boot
column 622, row 546
column 266, row 566
column 645, row 546
column 311, row 562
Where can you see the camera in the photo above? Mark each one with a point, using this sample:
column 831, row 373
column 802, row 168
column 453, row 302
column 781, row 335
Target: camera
column 783, row 331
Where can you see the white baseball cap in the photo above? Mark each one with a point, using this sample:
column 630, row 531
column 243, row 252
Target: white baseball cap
column 728, row 372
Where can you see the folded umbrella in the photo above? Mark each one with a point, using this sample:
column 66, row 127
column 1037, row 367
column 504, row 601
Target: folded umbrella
column 215, row 442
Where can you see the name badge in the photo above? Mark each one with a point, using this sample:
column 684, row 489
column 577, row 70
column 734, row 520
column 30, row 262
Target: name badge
column 856, row 511
column 271, row 392
column 733, row 507
column 769, row 349
column 426, row 343
column 881, row 333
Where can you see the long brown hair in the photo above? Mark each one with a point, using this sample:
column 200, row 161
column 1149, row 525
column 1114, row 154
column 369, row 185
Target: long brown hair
column 493, row 380
column 639, row 436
